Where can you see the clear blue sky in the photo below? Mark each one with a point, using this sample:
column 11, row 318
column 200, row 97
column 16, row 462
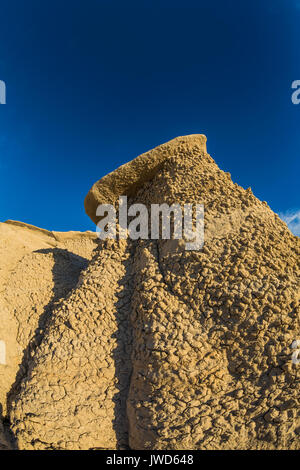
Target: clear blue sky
column 91, row 84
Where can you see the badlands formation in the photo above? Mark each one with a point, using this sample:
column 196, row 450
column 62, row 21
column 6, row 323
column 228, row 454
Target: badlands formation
column 143, row 344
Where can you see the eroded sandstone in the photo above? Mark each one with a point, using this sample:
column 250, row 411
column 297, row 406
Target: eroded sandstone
column 157, row 347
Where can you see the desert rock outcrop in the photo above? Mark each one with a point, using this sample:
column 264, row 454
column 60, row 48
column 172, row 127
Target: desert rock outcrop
column 38, row 268
column 158, row 347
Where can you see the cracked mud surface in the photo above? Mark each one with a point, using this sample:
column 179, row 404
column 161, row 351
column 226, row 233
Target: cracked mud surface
column 38, row 268
column 151, row 346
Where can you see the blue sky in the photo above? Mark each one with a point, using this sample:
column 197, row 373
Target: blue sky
column 91, row 84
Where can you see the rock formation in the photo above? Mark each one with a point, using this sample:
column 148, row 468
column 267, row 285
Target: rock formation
column 158, row 347
column 38, row 268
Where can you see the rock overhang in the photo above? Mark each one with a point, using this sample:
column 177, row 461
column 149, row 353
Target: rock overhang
column 128, row 178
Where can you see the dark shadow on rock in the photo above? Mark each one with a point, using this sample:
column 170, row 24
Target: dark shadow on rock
column 65, row 274
column 7, row 441
column 122, row 355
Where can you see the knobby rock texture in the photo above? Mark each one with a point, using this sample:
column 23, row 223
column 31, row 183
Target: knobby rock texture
column 144, row 344
column 38, row 268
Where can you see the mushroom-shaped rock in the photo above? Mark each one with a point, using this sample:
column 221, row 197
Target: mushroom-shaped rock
column 160, row 347
column 128, row 178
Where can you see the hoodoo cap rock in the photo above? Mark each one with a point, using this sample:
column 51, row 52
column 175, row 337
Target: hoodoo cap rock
column 128, row 178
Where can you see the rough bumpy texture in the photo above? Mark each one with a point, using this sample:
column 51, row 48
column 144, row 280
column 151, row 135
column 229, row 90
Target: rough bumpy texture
column 128, row 178
column 79, row 377
column 212, row 329
column 38, row 268
column 163, row 348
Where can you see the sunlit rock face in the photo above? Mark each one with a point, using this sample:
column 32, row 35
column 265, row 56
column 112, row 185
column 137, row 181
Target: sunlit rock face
column 161, row 347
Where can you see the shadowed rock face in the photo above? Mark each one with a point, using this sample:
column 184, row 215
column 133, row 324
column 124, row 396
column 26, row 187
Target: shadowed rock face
column 38, row 268
column 163, row 348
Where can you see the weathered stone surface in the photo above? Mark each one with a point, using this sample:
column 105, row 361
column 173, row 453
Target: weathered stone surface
column 38, row 268
column 128, row 178
column 163, row 348
column 79, row 375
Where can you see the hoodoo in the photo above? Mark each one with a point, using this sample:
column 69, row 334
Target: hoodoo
column 155, row 346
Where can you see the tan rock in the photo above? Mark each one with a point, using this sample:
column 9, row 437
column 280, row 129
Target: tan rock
column 38, row 268
column 128, row 178
column 163, row 348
